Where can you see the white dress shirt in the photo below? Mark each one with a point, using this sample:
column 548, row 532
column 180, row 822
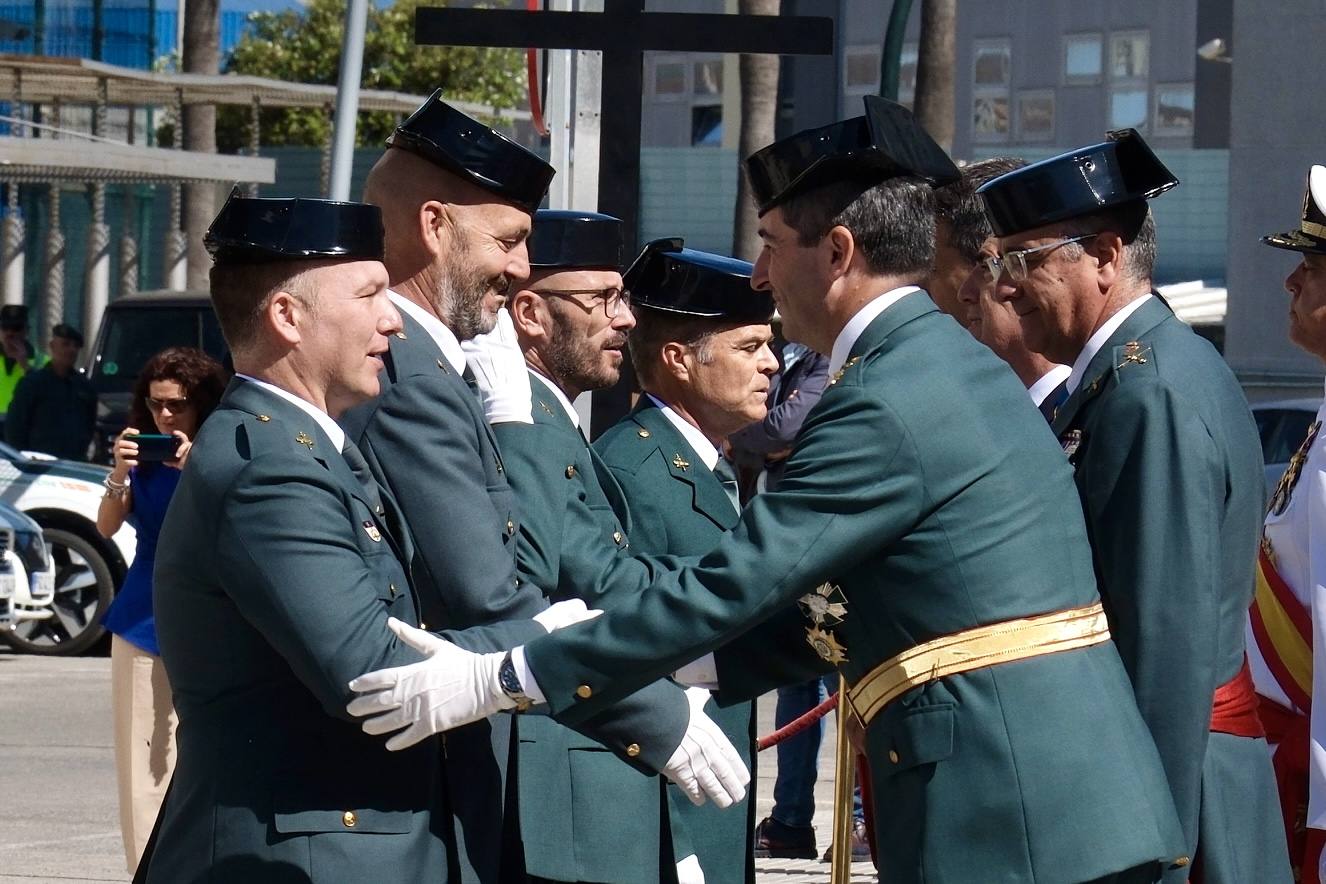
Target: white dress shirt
column 846, row 340
column 443, row 336
column 1097, row 340
column 1045, row 386
column 324, row 420
column 699, row 442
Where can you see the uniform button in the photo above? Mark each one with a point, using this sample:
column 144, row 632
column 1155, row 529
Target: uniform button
column 616, row 537
column 633, row 750
column 391, row 588
column 400, row 335
column 264, row 418
column 510, row 527
column 379, row 510
column 349, row 819
column 423, row 625
column 893, row 755
column 442, row 365
column 584, row 692
column 1182, row 861
column 571, row 471
column 644, row 434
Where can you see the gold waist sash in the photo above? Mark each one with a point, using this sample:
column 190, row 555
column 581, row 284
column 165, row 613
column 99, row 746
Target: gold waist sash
column 975, row 649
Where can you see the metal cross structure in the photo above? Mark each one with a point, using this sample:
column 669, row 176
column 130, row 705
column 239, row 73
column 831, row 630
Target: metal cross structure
column 623, row 32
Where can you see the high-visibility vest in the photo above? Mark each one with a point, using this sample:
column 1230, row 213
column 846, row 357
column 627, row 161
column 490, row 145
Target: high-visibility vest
column 10, row 375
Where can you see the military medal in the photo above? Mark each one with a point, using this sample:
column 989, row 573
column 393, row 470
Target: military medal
column 305, row 439
column 372, row 531
column 826, row 645
column 1071, row 442
column 1285, row 487
column 821, row 604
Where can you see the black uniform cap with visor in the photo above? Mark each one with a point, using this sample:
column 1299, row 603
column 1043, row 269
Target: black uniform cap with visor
column 1310, row 237
column 251, row 230
column 671, row 278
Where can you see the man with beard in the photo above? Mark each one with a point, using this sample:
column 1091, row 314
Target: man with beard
column 1168, row 465
column 457, row 199
column 700, row 348
column 966, row 246
column 912, row 524
column 570, row 321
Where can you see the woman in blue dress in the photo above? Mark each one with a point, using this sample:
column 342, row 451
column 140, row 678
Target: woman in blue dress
column 174, row 394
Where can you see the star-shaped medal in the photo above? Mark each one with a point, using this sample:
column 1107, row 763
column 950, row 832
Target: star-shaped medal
column 826, row 601
column 826, row 645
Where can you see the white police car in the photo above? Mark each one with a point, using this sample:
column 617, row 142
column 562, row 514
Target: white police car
column 62, row 497
column 27, row 573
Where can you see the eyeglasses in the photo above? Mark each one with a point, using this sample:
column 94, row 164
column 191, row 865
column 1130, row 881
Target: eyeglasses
column 613, row 299
column 1015, row 263
column 175, row 405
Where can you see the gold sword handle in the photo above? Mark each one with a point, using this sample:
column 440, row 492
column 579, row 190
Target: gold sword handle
column 844, row 776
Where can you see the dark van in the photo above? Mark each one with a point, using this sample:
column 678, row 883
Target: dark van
column 133, row 329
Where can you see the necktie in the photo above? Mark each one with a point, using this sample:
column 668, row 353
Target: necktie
column 372, row 493
column 728, row 478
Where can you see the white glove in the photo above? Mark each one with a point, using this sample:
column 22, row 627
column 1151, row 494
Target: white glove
column 449, row 688
column 706, row 764
column 500, row 373
column 561, row 614
column 701, row 673
column 689, row 871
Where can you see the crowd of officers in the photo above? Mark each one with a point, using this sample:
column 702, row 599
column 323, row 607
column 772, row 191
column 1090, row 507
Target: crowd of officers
column 417, row 628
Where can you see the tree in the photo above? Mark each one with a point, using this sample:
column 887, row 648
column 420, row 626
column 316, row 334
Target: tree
column 303, row 45
column 201, row 55
column 934, row 74
column 759, row 105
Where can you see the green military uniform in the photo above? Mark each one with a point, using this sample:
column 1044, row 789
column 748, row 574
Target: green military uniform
column 585, row 815
column 271, row 593
column 679, row 507
column 1169, row 466
column 927, row 521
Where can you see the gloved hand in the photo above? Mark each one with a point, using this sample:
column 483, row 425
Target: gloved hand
column 705, row 764
column 701, row 673
column 449, row 688
column 561, row 614
column 689, row 871
column 500, row 373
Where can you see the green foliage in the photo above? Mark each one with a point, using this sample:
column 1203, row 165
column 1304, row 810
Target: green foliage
column 303, row 45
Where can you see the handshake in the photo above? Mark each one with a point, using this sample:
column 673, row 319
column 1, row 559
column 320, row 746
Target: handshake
column 451, row 687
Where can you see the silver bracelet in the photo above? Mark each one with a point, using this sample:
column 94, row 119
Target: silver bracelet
column 113, row 488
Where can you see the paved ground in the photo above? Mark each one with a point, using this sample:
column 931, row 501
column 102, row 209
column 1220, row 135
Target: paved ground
column 58, row 818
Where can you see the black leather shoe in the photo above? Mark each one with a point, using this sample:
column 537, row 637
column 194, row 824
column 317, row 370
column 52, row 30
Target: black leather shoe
column 775, row 840
column 860, row 844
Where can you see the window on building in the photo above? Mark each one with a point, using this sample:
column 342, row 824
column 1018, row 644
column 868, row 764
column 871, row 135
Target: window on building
column 1082, row 59
column 1130, row 56
column 707, row 126
column 1128, row 109
column 907, row 74
column 1035, row 115
column 708, row 77
column 991, row 75
column 861, row 70
column 669, row 79
column 1174, row 109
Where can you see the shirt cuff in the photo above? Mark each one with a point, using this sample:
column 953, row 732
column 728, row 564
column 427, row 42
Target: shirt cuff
column 528, row 683
column 701, row 673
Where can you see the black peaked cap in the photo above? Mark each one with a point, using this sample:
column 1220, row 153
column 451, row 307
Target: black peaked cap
column 887, row 142
column 1122, row 169
column 483, row 156
column 668, row 276
column 575, row 239
column 1310, row 237
column 250, row 229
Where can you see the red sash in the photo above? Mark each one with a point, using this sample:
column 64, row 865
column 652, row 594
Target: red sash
column 1283, row 630
column 1234, row 710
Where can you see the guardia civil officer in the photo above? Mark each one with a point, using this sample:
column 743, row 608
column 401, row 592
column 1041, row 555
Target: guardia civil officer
column 1168, row 465
column 457, row 199
column 911, row 525
column 279, row 562
column 700, row 349
column 1292, row 570
column 585, row 816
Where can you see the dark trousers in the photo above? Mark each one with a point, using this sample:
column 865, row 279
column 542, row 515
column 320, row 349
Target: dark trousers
column 1148, row 873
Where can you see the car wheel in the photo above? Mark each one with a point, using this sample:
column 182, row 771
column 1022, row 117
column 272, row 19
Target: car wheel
column 84, row 588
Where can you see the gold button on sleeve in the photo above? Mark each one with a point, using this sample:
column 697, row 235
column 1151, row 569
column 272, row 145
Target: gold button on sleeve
column 584, row 692
column 616, row 537
column 571, row 471
column 349, row 819
column 1182, row 861
column 633, row 749
column 893, row 755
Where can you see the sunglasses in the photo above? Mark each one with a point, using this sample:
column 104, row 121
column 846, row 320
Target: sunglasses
column 156, row 406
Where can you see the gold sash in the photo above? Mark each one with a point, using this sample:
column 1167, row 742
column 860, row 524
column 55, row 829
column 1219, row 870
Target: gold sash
column 975, row 649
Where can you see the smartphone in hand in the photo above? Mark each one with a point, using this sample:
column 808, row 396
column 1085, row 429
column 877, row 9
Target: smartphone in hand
column 155, row 446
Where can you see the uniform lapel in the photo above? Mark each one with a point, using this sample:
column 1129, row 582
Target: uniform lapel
column 908, row 308
column 1134, row 328
column 684, row 465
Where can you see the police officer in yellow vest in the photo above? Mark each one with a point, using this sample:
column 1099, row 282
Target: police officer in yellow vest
column 17, row 352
